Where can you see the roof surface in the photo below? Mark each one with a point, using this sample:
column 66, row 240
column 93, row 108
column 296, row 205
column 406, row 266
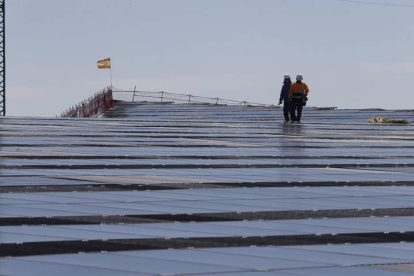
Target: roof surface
column 188, row 189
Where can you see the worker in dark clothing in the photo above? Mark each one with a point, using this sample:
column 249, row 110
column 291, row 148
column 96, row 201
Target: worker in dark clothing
column 284, row 96
column 298, row 95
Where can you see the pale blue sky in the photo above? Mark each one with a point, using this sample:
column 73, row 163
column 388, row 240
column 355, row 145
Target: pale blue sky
column 351, row 55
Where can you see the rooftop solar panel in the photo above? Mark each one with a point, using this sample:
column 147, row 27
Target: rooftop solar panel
column 173, row 189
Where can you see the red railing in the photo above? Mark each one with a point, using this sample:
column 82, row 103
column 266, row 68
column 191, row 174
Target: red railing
column 92, row 106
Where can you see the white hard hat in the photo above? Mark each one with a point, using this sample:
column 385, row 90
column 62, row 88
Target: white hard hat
column 287, row 76
column 299, row 77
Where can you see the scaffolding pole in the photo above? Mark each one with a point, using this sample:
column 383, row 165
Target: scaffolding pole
column 2, row 59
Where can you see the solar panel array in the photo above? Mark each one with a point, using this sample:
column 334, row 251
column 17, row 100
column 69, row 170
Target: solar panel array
column 187, row 189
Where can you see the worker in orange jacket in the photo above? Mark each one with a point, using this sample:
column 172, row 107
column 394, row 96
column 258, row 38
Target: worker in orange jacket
column 298, row 95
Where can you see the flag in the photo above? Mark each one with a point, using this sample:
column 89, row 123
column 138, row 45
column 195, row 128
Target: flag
column 105, row 63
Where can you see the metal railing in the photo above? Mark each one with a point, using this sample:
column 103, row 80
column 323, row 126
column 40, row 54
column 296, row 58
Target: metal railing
column 103, row 100
column 162, row 96
column 92, row 106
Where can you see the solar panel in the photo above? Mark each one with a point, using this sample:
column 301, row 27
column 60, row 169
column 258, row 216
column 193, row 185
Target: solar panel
column 178, row 189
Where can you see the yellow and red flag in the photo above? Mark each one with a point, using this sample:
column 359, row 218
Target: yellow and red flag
column 105, row 63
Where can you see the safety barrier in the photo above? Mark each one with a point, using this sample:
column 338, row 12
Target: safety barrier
column 92, row 106
column 103, row 100
column 163, row 96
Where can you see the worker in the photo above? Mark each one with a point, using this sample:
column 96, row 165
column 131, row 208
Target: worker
column 298, row 95
column 284, row 96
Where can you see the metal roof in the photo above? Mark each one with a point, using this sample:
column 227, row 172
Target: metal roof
column 199, row 189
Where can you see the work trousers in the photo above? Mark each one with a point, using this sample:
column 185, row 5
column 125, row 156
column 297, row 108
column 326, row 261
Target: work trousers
column 296, row 110
column 286, row 109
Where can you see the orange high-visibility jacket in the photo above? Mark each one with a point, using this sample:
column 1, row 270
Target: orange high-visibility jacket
column 296, row 90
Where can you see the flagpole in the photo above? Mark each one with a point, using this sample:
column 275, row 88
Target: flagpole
column 110, row 73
